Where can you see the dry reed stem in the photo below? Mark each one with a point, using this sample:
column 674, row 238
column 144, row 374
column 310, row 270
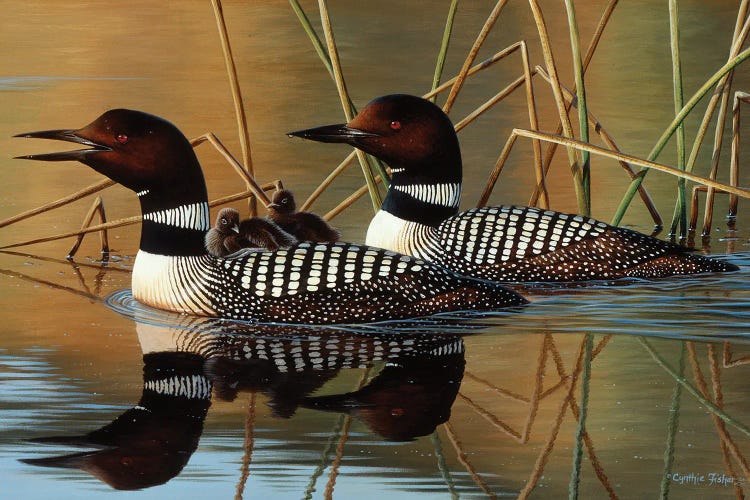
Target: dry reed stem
column 551, row 390
column 595, row 39
column 729, row 362
column 463, row 459
column 97, row 207
column 543, row 456
column 537, row 392
column 248, row 445
column 26, row 277
column 239, row 108
column 483, row 108
column 745, row 193
column 499, row 390
column 610, row 142
column 723, row 89
column 549, row 60
column 349, row 200
column 724, row 438
column 575, row 409
column 336, row 464
column 442, row 88
column 250, row 181
column 497, row 170
column 692, row 224
column 739, row 97
column 492, row 419
column 67, row 261
column 94, row 188
column 325, row 20
column 131, row 220
column 463, row 73
column 534, row 125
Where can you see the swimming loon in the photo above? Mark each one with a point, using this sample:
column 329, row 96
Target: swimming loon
column 308, row 283
column 420, row 216
column 305, row 226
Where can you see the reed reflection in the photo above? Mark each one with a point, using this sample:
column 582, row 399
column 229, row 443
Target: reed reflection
column 191, row 359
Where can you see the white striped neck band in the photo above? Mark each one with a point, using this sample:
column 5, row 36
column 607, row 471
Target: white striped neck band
column 142, row 193
column 447, row 195
column 192, row 216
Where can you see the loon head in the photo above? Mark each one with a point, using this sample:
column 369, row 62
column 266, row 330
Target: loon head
column 138, row 150
column 412, row 135
column 228, row 221
column 283, row 202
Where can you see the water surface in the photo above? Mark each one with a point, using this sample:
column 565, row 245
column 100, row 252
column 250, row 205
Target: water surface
column 448, row 408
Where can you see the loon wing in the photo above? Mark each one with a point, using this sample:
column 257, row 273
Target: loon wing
column 531, row 244
column 343, row 283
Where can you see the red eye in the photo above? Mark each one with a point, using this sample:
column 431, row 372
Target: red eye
column 122, row 138
column 395, row 125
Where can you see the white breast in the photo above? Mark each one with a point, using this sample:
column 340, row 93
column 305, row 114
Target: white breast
column 399, row 235
column 171, row 283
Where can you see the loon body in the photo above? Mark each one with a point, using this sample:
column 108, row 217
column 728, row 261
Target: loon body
column 307, row 283
column 419, row 216
column 305, row 226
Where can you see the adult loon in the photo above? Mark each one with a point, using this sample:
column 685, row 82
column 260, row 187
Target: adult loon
column 420, row 216
column 307, row 283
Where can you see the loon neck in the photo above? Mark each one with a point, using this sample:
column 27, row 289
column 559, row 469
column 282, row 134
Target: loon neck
column 423, row 199
column 175, row 221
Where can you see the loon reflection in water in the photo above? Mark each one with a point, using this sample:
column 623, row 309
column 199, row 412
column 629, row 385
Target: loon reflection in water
column 185, row 362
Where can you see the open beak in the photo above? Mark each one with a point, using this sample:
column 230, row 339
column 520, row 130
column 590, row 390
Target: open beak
column 63, row 135
column 333, row 133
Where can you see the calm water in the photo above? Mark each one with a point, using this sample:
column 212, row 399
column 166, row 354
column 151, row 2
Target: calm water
column 451, row 407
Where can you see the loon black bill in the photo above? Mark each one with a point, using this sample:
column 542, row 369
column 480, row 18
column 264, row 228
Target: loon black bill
column 332, row 133
column 62, row 135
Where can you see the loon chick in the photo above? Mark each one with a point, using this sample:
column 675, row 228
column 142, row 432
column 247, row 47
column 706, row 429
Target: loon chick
column 420, row 216
column 265, row 233
column 229, row 235
column 308, row 283
column 224, row 238
column 305, row 226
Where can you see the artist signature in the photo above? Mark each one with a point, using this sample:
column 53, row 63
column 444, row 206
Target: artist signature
column 702, row 479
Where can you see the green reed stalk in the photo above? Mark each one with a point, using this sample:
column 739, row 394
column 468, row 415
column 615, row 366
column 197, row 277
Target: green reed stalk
column 325, row 456
column 442, row 465
column 326, row 60
column 583, row 120
column 333, row 53
column 672, row 424
column 680, row 209
column 575, row 475
column 738, row 38
column 239, row 107
column 444, row 47
column 692, row 390
column 686, row 109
